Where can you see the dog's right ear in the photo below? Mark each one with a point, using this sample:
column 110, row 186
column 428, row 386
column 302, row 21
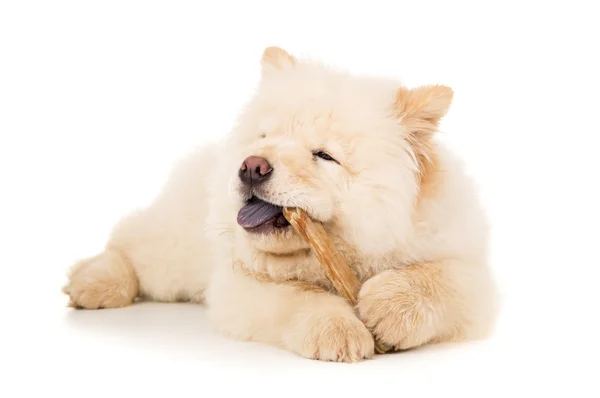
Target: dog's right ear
column 275, row 58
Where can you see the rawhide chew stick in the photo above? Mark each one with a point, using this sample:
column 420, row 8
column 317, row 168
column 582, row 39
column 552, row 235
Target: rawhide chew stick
column 338, row 272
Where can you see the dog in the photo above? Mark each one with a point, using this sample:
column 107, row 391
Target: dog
column 360, row 154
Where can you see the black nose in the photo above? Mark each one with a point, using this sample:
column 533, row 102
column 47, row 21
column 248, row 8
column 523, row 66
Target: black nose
column 255, row 170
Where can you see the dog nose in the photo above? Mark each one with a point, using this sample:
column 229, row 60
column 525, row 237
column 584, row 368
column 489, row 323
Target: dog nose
column 255, row 170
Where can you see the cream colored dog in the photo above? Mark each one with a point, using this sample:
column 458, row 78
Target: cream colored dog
column 358, row 154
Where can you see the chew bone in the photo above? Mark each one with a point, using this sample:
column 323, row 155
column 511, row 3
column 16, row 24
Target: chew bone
column 338, row 272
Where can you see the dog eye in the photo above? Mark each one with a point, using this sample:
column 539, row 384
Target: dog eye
column 324, row 155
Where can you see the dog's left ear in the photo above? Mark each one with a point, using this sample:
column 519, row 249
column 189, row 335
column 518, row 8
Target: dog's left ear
column 275, row 58
column 423, row 105
column 420, row 111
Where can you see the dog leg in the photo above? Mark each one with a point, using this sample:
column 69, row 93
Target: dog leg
column 428, row 302
column 104, row 281
column 307, row 321
column 148, row 254
column 159, row 253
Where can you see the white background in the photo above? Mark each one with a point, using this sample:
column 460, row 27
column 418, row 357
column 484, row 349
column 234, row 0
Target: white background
column 98, row 98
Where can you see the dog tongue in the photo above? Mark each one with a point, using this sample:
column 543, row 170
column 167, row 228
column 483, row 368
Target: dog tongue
column 257, row 212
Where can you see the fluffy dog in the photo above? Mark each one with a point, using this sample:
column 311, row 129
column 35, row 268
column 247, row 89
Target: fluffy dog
column 358, row 154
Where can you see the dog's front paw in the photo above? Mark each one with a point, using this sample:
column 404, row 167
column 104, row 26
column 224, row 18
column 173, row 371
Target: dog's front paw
column 397, row 310
column 338, row 336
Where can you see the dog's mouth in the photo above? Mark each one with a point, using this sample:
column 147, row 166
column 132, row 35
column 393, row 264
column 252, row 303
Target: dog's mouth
column 260, row 216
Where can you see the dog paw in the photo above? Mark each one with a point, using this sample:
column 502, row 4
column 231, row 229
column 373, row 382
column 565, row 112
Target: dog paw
column 397, row 311
column 334, row 337
column 104, row 281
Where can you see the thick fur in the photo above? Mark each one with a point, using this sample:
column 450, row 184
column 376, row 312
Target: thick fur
column 399, row 206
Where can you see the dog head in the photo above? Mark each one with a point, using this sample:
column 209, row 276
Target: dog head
column 353, row 151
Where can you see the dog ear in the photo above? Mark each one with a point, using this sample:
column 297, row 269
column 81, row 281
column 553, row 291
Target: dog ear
column 275, row 58
column 420, row 111
column 425, row 104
